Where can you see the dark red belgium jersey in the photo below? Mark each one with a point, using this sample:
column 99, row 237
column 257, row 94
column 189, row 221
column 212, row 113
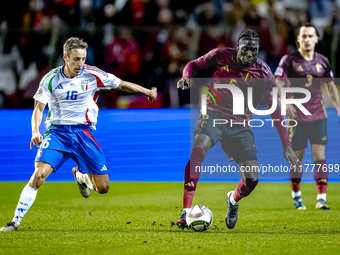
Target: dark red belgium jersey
column 228, row 71
column 296, row 71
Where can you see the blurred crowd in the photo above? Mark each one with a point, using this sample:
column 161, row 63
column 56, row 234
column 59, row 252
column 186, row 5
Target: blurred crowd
column 147, row 41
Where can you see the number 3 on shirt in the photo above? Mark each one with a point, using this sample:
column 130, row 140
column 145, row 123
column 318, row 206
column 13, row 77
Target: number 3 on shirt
column 310, row 80
column 71, row 95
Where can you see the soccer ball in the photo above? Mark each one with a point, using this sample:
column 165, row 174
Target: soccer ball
column 199, row 218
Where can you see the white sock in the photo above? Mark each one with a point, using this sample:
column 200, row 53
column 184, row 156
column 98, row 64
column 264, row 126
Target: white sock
column 232, row 200
column 187, row 209
column 84, row 178
column 321, row 196
column 26, row 200
column 296, row 194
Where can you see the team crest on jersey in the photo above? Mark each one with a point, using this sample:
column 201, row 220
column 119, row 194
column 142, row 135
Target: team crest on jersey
column 318, row 67
column 84, row 85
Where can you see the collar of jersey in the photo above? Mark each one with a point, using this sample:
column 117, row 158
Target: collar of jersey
column 64, row 76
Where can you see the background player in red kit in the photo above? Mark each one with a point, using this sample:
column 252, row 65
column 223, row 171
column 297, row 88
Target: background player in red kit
column 310, row 71
column 234, row 66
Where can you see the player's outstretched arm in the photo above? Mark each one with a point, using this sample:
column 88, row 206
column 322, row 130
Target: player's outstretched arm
column 333, row 91
column 134, row 88
column 195, row 65
column 37, row 138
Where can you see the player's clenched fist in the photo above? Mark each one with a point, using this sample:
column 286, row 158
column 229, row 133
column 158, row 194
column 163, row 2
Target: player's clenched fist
column 152, row 94
column 36, row 140
column 184, row 83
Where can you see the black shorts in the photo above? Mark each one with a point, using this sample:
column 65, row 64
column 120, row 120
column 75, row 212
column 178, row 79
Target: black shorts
column 316, row 131
column 236, row 141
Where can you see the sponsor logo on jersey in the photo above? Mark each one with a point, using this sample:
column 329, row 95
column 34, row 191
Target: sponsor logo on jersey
column 84, row 85
column 40, row 91
column 300, row 69
column 59, row 87
column 225, row 68
column 318, row 67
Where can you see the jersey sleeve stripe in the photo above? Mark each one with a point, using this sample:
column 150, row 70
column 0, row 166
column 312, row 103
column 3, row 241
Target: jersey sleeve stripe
column 95, row 69
column 95, row 97
column 99, row 81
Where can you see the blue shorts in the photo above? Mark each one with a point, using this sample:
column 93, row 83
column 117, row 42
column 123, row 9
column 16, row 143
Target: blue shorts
column 72, row 141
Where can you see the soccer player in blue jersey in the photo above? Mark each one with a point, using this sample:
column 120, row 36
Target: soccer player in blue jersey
column 71, row 92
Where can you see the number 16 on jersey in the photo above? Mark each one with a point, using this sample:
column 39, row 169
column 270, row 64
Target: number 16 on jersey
column 71, row 95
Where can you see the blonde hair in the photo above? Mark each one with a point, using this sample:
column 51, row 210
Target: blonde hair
column 74, row 43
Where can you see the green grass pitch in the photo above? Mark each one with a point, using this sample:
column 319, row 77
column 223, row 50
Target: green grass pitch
column 137, row 218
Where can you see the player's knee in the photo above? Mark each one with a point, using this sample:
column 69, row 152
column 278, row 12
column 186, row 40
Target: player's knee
column 296, row 180
column 104, row 189
column 37, row 179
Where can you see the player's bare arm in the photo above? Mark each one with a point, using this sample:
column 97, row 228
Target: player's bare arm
column 37, row 138
column 290, row 110
column 333, row 91
column 134, row 88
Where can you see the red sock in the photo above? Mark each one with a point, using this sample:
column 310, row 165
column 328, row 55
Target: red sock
column 295, row 179
column 188, row 196
column 192, row 176
column 244, row 188
column 236, row 195
column 321, row 174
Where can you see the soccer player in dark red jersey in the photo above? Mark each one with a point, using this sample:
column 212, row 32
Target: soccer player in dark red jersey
column 307, row 69
column 234, row 66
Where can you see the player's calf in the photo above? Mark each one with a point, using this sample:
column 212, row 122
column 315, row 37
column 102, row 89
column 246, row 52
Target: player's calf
column 103, row 189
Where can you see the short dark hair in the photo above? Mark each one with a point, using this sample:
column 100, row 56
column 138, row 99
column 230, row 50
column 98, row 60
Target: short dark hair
column 308, row 25
column 248, row 33
column 74, row 43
